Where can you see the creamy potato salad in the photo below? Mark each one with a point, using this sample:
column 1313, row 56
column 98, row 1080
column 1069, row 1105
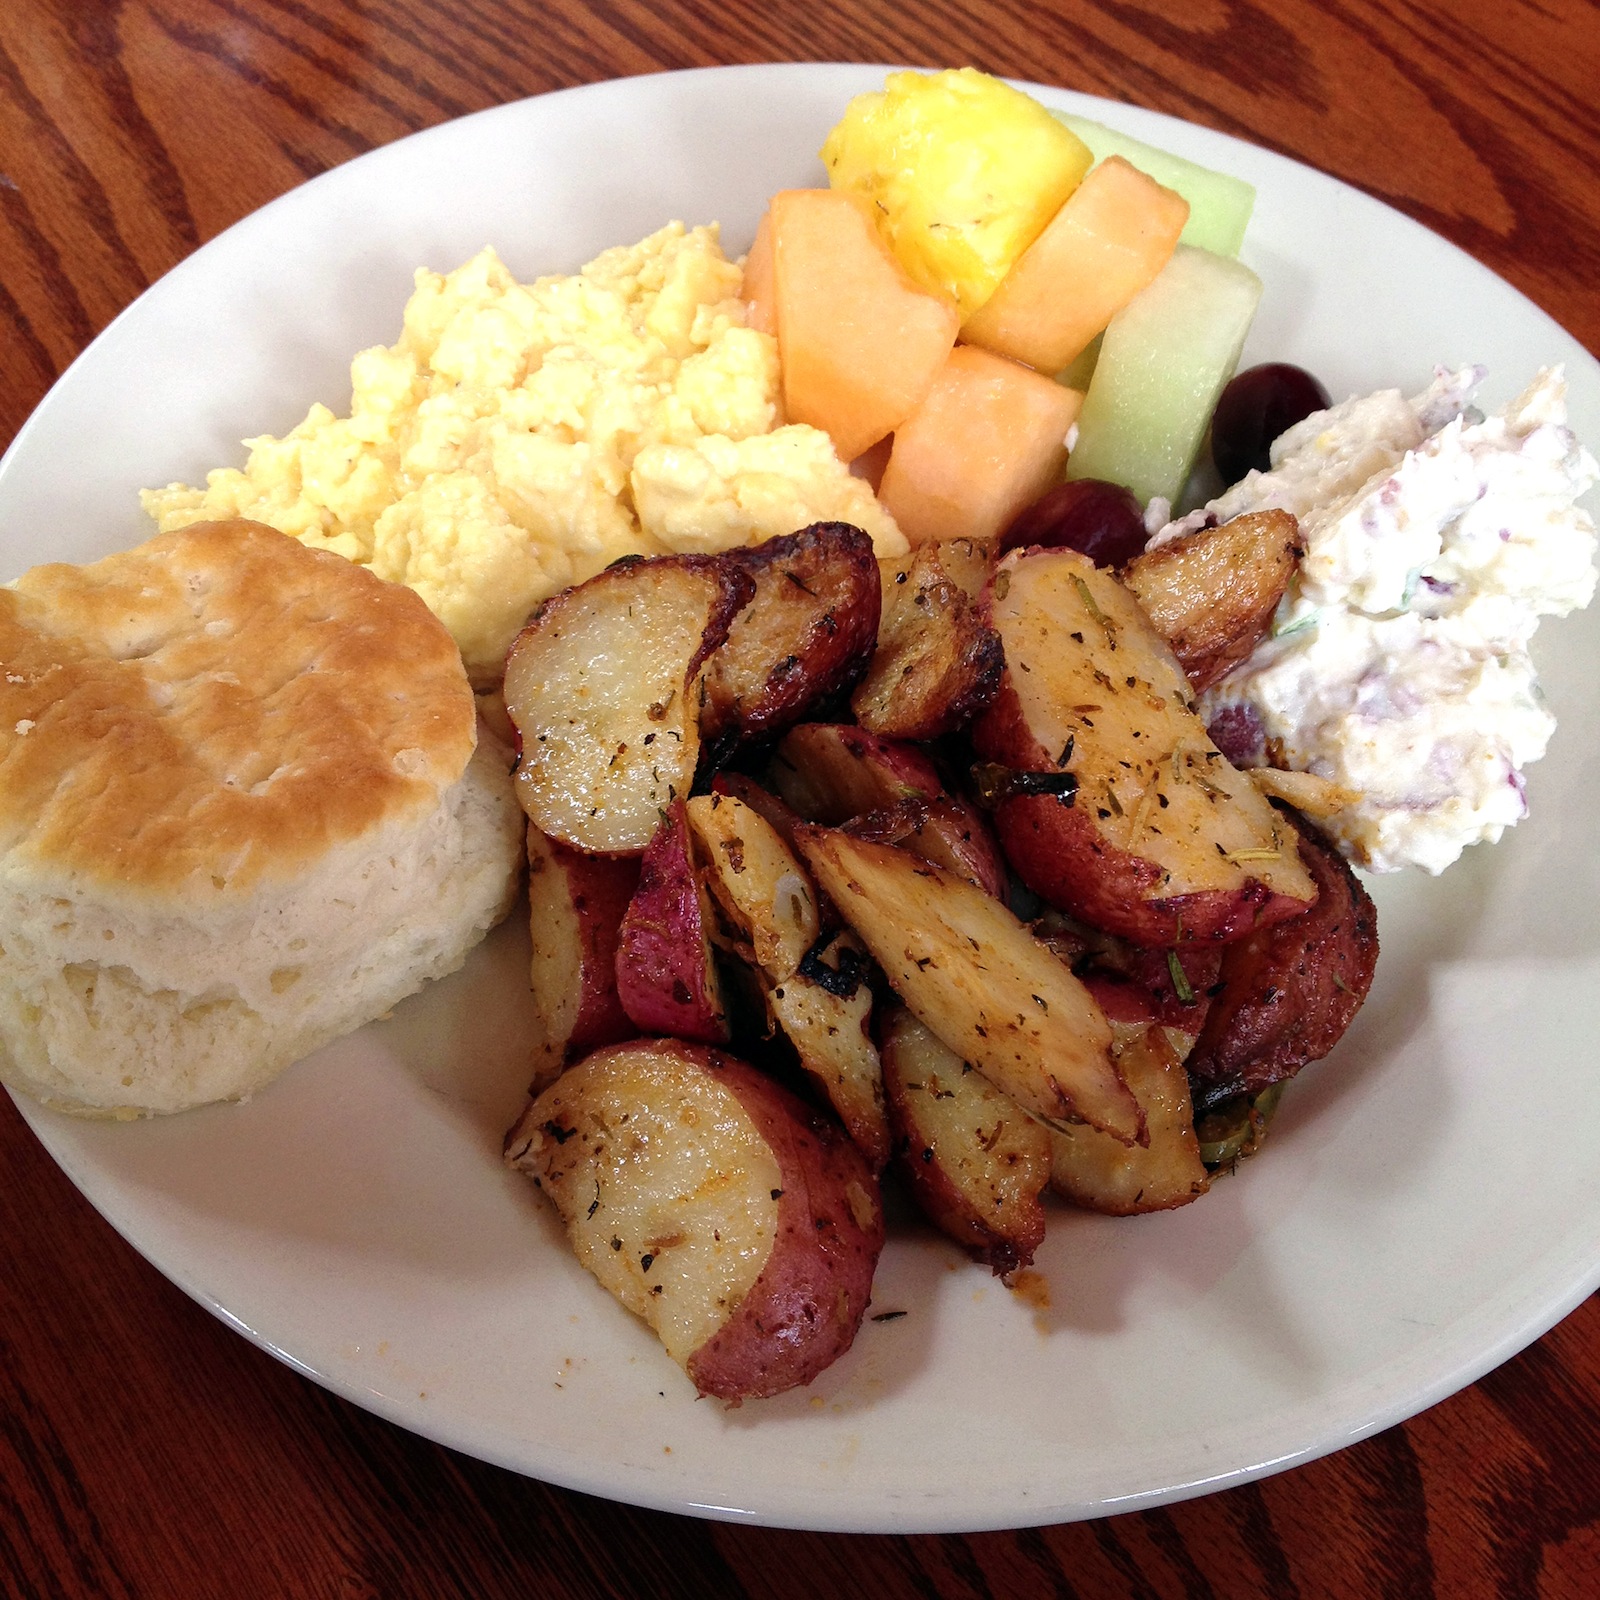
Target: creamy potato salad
column 1398, row 666
column 519, row 437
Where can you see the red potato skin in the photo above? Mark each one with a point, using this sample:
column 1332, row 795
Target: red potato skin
column 1285, row 996
column 1054, row 847
column 1150, row 997
column 598, row 891
column 665, row 975
column 1048, row 844
column 805, row 1307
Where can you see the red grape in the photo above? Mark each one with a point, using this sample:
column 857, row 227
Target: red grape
column 1258, row 405
column 1101, row 520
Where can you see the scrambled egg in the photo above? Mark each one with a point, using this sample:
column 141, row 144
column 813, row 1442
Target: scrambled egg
column 520, row 437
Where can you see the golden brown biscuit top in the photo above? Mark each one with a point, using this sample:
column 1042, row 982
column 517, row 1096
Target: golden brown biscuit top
column 216, row 708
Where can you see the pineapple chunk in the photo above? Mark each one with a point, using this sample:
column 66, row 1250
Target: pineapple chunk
column 962, row 171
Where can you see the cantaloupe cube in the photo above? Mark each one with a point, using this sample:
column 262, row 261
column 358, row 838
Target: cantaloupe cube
column 1219, row 203
column 962, row 171
column 1114, row 234
column 989, row 439
column 860, row 344
column 760, row 305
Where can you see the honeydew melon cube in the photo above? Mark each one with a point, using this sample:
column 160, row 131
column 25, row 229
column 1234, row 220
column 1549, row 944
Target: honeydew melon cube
column 1163, row 362
column 1219, row 203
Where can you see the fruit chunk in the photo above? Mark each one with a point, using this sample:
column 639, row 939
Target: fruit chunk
column 738, row 1224
column 988, row 439
column 1163, row 839
column 860, row 344
column 962, row 171
column 1219, row 203
column 603, row 686
column 1163, row 362
column 973, row 1162
column 1257, row 407
column 760, row 305
column 1109, row 241
column 1100, row 520
column 576, row 905
column 979, row 981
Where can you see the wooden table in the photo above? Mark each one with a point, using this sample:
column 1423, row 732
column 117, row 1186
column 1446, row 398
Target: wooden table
column 146, row 1450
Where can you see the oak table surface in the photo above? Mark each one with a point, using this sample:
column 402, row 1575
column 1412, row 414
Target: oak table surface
column 146, row 1450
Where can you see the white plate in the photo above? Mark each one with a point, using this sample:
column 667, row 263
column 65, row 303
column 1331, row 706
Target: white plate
column 1427, row 1202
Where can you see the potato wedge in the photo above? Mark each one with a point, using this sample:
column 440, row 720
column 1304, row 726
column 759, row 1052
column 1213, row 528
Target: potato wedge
column 738, row 1224
column 814, row 988
column 885, row 789
column 1286, row 994
column 1100, row 1174
column 975, row 1164
column 937, row 664
column 805, row 637
column 667, row 977
column 764, row 892
column 949, row 832
column 1163, row 840
column 576, row 904
column 603, row 687
column 829, row 772
column 977, row 978
column 1211, row 593
column 825, row 1010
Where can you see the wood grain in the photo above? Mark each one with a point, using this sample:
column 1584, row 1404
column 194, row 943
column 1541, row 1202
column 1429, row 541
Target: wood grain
column 146, row 1449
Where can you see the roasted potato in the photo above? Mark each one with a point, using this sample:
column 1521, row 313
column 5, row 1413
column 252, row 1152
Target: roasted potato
column 1152, row 835
column 603, row 686
column 667, row 976
column 936, row 664
column 829, row 772
column 834, row 773
column 977, row 978
column 742, row 1227
column 576, row 904
column 824, row 1008
column 949, row 832
column 1100, row 1174
column 975, row 1164
column 1286, row 994
column 814, row 988
column 804, row 638
column 1211, row 593
column 764, row 892
column 1132, row 984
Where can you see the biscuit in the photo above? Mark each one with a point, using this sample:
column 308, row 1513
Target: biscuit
column 241, row 814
